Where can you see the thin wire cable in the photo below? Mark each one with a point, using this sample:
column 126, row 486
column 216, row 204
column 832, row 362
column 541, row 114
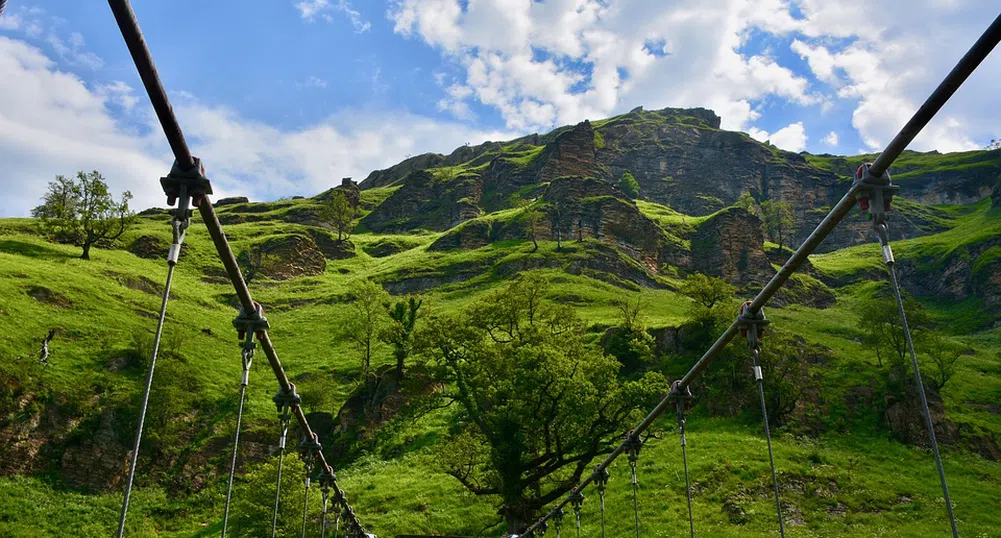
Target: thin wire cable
column 278, row 485
column 768, row 437
column 636, row 508
column 601, row 481
column 305, row 503
column 248, row 354
column 323, row 516
column 924, row 399
column 179, row 225
column 684, row 459
column 145, row 403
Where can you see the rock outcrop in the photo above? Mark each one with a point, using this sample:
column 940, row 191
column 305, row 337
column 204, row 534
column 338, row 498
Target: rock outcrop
column 291, row 256
column 231, row 201
column 427, row 202
column 729, row 245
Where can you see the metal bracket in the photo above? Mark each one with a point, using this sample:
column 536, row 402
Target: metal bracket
column 633, row 445
column 752, row 325
column 191, row 181
column 309, row 447
column 874, row 193
column 251, row 322
column 601, row 478
column 875, row 196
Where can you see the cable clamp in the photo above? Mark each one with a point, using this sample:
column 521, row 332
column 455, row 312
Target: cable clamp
column 191, row 181
column 309, row 448
column 874, row 193
column 253, row 322
column 633, row 445
column 285, row 401
column 752, row 324
column 601, row 476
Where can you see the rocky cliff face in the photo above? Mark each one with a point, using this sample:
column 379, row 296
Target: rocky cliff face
column 729, row 245
column 427, row 202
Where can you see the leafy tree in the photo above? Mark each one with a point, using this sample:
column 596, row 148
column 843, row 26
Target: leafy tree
column 747, row 203
column 338, row 212
column 711, row 297
column 778, row 219
column 557, row 214
column 942, row 356
column 881, row 331
column 367, row 319
column 254, row 499
column 398, row 332
column 629, row 185
column 536, row 403
column 629, row 342
column 83, row 211
column 251, row 262
column 533, row 219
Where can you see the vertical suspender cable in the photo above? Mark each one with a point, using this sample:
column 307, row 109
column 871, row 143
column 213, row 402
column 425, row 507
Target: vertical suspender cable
column 924, row 401
column 179, row 224
column 247, row 355
column 768, row 438
column 278, row 486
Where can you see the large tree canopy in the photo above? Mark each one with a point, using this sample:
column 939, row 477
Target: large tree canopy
column 537, row 404
column 83, row 211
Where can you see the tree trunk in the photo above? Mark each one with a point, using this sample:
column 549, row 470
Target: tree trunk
column 86, row 251
column 400, row 357
column 535, row 244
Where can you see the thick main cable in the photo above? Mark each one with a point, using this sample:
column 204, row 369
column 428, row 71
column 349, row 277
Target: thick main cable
column 132, row 34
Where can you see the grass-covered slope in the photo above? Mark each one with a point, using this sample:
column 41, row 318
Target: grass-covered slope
column 848, row 479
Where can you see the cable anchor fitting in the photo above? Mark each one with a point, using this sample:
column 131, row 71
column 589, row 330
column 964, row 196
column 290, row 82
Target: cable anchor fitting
column 285, row 401
column 875, row 197
column 309, row 449
column 191, row 182
column 680, row 399
column 577, row 502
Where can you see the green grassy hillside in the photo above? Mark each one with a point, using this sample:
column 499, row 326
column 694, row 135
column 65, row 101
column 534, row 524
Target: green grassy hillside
column 842, row 475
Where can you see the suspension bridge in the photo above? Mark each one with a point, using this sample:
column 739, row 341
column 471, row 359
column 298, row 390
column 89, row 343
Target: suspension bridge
column 187, row 188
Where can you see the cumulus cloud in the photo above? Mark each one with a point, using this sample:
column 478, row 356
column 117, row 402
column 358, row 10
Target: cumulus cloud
column 560, row 61
column 55, row 123
column 831, row 139
column 790, row 138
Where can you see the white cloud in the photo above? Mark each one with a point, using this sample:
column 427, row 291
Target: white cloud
column 790, row 138
column 560, row 61
column 831, row 139
column 51, row 123
column 588, row 44
column 309, row 10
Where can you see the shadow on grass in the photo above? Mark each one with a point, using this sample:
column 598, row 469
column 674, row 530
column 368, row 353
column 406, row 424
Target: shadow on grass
column 31, row 250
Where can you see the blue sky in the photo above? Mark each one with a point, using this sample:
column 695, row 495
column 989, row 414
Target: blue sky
column 285, row 97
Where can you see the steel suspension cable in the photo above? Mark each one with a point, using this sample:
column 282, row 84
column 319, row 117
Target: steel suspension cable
column 188, row 172
column 682, row 399
column 278, row 485
column 248, row 357
column 768, row 438
column 882, row 234
column 924, row 401
column 600, row 481
column 179, row 225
